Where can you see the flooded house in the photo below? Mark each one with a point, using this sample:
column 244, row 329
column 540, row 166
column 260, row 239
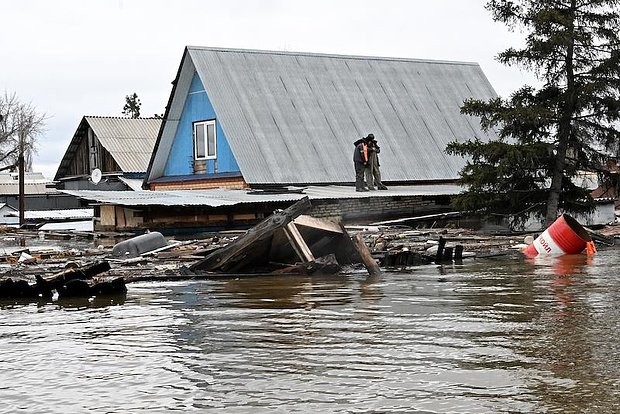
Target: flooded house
column 247, row 132
column 39, row 195
column 108, row 153
column 43, row 203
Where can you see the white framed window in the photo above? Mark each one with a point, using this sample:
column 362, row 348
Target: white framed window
column 205, row 142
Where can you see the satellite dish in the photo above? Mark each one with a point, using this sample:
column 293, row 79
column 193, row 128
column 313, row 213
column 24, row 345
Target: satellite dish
column 95, row 176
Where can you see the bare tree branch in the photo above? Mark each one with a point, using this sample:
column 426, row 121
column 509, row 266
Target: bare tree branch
column 18, row 119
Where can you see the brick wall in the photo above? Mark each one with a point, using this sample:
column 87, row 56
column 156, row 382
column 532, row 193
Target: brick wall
column 350, row 210
column 231, row 183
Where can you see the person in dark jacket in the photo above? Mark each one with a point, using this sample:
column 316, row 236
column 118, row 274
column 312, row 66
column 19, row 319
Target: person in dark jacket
column 360, row 160
column 372, row 172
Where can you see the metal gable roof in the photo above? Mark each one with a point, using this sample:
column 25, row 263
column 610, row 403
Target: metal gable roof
column 293, row 117
column 130, row 141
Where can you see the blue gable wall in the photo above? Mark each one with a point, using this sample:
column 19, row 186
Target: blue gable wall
column 198, row 108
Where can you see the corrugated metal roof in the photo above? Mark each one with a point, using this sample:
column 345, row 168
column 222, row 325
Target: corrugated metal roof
column 225, row 197
column 134, row 183
column 34, row 183
column 293, row 117
column 66, row 214
column 129, row 141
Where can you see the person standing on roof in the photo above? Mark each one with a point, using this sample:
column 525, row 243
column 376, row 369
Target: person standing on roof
column 372, row 172
column 360, row 160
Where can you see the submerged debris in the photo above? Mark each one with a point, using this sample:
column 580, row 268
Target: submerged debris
column 71, row 282
column 288, row 242
column 139, row 245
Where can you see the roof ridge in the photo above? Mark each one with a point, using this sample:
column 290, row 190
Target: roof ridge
column 118, row 117
column 331, row 55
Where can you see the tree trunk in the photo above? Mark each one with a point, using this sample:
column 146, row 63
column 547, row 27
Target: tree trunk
column 564, row 127
column 553, row 201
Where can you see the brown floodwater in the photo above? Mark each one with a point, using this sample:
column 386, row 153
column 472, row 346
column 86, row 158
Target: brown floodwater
column 488, row 336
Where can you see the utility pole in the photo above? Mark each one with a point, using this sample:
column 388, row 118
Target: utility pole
column 22, row 178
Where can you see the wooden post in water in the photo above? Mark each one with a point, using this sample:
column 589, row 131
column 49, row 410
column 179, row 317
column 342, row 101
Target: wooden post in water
column 369, row 262
column 458, row 253
column 22, row 180
column 440, row 247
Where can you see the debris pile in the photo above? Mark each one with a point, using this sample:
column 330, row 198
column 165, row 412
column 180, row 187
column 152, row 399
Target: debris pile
column 72, row 282
column 287, row 242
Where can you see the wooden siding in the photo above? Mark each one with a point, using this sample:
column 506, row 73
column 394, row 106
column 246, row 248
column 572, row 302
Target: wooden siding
column 107, row 216
column 83, row 164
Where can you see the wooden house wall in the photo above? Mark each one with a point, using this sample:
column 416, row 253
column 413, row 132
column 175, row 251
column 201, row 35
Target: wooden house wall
column 181, row 162
column 81, row 162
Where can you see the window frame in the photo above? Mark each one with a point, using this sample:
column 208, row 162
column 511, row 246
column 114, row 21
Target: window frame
column 204, row 124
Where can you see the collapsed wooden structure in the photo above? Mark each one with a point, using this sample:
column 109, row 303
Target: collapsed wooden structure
column 290, row 242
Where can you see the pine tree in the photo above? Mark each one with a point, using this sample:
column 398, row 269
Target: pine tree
column 132, row 106
column 551, row 133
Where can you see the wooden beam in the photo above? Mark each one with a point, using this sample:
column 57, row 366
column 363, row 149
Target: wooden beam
column 298, row 242
column 325, row 225
column 369, row 262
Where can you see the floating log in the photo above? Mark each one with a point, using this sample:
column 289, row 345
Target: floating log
column 85, row 272
column 75, row 288
column 80, row 289
column 44, row 286
column 70, row 282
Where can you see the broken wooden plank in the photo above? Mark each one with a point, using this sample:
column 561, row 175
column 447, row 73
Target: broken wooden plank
column 345, row 250
column 298, row 243
column 324, row 225
column 85, row 272
column 600, row 238
column 416, row 219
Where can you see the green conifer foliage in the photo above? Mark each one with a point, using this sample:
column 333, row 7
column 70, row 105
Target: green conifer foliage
column 548, row 134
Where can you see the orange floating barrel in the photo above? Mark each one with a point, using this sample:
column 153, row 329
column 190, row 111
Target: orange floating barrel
column 564, row 236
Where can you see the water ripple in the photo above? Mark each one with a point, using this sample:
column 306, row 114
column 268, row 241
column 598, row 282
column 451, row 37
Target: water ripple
column 484, row 337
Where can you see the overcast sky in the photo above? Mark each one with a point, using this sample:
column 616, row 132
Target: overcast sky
column 71, row 58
